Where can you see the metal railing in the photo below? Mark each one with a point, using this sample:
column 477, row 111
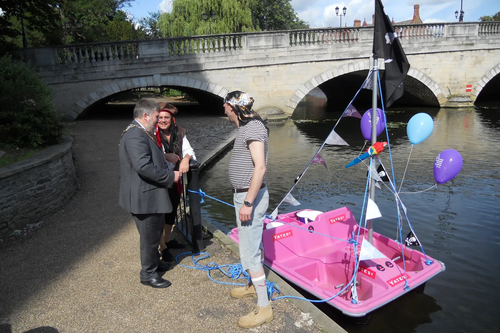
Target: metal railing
column 189, row 211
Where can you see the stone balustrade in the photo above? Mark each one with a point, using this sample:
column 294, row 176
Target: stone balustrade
column 181, row 46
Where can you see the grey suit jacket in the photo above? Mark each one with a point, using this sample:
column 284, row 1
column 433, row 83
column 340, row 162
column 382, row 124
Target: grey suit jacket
column 144, row 177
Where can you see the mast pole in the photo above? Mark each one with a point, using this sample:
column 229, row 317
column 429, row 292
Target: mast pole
column 374, row 135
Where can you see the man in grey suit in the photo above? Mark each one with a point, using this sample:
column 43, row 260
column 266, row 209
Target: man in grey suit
column 144, row 182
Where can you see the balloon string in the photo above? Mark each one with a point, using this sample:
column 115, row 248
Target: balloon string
column 406, row 168
column 435, row 185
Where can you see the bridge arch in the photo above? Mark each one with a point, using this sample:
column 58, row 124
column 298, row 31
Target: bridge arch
column 325, row 76
column 360, row 65
column 481, row 84
column 158, row 80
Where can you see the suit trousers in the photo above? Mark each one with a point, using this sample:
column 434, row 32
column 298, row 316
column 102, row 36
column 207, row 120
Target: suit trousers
column 150, row 227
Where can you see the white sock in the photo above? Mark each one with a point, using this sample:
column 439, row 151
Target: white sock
column 261, row 290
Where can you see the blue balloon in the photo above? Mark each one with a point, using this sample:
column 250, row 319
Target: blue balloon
column 419, row 128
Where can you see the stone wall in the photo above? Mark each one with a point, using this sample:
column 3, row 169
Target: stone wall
column 35, row 187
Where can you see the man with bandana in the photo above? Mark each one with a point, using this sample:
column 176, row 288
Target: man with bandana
column 247, row 171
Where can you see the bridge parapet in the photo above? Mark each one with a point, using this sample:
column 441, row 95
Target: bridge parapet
column 184, row 46
column 279, row 67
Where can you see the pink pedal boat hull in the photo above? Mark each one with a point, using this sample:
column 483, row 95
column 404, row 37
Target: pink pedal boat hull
column 323, row 265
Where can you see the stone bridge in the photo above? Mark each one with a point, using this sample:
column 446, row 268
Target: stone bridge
column 451, row 65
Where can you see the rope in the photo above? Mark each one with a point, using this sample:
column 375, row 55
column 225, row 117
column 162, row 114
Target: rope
column 203, row 194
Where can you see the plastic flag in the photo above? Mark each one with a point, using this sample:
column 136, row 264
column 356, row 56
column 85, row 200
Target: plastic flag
column 372, row 211
column 291, row 200
column 411, row 240
column 274, row 214
column 335, row 139
column 352, row 112
column 368, row 251
column 319, row 160
column 382, row 173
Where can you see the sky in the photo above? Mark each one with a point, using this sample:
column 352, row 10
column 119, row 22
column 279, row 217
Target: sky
column 321, row 13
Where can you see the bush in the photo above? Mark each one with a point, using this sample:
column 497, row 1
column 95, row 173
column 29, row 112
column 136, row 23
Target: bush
column 28, row 117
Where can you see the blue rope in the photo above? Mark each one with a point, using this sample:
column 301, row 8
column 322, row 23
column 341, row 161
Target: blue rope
column 203, row 194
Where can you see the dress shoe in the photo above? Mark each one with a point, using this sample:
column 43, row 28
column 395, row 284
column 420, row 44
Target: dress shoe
column 157, row 282
column 167, row 256
column 174, row 244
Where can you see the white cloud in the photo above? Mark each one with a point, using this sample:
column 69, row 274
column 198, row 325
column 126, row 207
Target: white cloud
column 165, row 6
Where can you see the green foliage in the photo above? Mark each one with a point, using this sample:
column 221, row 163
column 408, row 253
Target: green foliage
column 27, row 114
column 52, row 22
column 36, row 15
column 280, row 16
column 232, row 16
column 86, row 21
column 150, row 26
column 495, row 17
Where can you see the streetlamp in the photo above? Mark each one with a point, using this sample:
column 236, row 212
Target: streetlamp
column 212, row 17
column 344, row 10
column 461, row 17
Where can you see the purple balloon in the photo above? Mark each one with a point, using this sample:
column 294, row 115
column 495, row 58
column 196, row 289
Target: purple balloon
column 366, row 123
column 447, row 165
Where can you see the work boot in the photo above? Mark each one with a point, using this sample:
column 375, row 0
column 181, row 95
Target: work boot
column 245, row 291
column 257, row 317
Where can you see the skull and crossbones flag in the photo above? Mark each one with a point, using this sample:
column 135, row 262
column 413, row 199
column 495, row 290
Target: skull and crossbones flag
column 411, row 240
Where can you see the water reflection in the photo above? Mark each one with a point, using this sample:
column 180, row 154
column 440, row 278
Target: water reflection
column 456, row 222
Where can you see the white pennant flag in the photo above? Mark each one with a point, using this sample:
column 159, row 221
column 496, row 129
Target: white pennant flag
column 335, row 139
column 291, row 200
column 372, row 211
column 368, row 251
column 274, row 214
column 374, row 174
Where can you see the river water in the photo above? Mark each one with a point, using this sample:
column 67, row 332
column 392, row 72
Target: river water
column 456, row 222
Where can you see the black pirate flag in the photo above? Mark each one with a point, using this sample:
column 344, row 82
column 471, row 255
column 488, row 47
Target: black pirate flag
column 412, row 240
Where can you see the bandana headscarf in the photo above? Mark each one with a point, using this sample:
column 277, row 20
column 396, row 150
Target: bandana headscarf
column 242, row 104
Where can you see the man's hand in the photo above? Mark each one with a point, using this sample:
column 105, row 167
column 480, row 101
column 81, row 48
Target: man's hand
column 245, row 213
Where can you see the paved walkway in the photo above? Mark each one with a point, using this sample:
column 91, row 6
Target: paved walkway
column 80, row 271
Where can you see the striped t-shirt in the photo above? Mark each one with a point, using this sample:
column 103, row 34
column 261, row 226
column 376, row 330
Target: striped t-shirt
column 241, row 164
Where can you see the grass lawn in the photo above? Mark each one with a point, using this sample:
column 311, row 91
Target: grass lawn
column 13, row 155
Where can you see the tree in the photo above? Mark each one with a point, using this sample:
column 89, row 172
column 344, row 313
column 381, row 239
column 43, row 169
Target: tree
column 49, row 22
column 230, row 16
column 87, row 20
column 150, row 26
column 121, row 28
column 28, row 116
column 495, row 17
column 19, row 18
column 279, row 15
